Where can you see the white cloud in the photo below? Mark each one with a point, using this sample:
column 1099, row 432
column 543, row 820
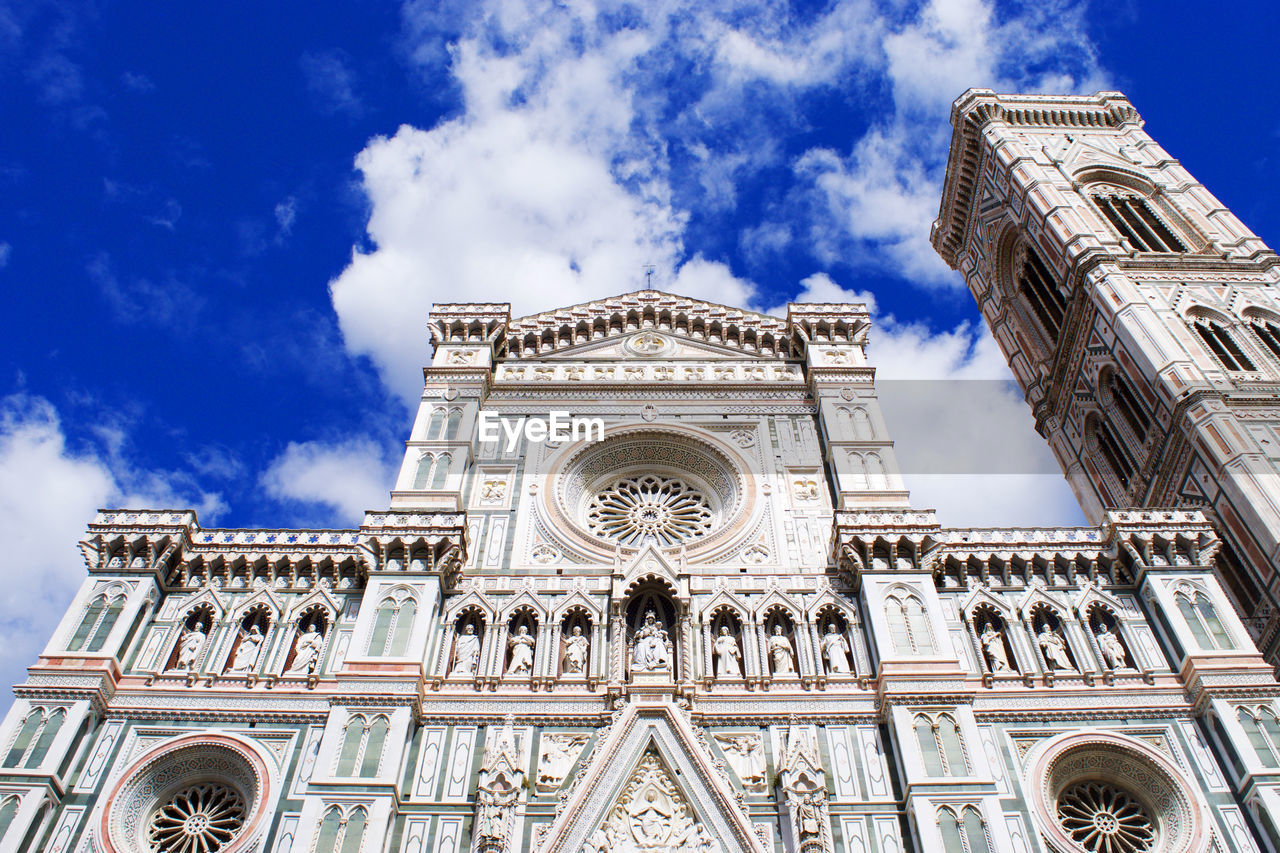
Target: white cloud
column 346, row 477
column 331, row 82
column 48, row 494
column 6, row 252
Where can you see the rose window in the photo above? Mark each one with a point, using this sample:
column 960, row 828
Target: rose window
column 666, row 509
column 197, row 819
column 1102, row 818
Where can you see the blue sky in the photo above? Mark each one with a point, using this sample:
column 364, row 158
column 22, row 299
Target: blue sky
column 223, row 223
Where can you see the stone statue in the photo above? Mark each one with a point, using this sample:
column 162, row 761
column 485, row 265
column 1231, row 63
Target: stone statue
column 993, row 645
column 728, row 655
column 466, row 651
column 780, row 653
column 575, row 652
column 835, row 649
column 598, row 842
column 189, row 647
column 1054, row 648
column 809, row 817
column 247, row 652
column 651, row 650
column 1112, row 649
column 521, row 646
column 306, row 652
column 696, row 840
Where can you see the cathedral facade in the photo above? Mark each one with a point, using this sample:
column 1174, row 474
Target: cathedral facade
column 648, row 581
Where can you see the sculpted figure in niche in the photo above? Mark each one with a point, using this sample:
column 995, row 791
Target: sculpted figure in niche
column 993, row 645
column 809, row 817
column 521, row 646
column 247, row 652
column 575, row 652
column 1054, row 647
column 1112, row 648
column 651, row 820
column 835, row 649
column 306, row 653
column 780, row 654
column 728, row 655
column 190, row 646
column 466, row 651
column 651, row 650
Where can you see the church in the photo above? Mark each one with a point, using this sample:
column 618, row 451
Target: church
column 649, row 579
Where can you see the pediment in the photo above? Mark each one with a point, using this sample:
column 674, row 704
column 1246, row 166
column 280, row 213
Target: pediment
column 650, row 785
column 652, row 344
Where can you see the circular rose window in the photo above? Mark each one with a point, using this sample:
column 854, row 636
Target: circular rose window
column 660, row 486
column 200, row 793
column 665, row 509
column 1103, row 818
column 1103, row 792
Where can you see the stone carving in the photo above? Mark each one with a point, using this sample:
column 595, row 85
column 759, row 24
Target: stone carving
column 575, row 374
column 804, row 787
column 835, row 650
column 835, row 356
column 545, row 554
column 756, row 554
column 498, row 790
column 780, row 653
column 559, row 752
column 521, row 645
column 1112, row 648
column 651, row 815
column 805, row 490
column 745, row 754
column 651, row 649
column 1055, row 648
column 575, row 652
column 493, row 491
column 743, row 438
column 648, row 343
column 306, row 652
column 728, row 655
column 190, row 646
column 466, row 651
column 461, row 357
column 247, row 652
column 993, row 645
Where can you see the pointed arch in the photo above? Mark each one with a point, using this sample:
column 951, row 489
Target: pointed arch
column 436, row 425
column 1202, row 618
column 908, row 623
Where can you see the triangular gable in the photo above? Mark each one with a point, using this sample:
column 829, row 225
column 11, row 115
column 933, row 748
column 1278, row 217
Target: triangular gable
column 640, row 345
column 639, row 301
column 651, row 563
column 651, row 749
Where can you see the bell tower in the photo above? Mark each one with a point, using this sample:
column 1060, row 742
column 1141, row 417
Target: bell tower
column 1140, row 316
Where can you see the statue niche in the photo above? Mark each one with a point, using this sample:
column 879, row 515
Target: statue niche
column 191, row 640
column 308, row 643
column 651, row 642
column 726, row 648
column 575, row 645
column 250, row 636
column 465, row 662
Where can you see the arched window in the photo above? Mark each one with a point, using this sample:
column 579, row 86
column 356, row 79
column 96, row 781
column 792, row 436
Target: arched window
column 1202, row 619
column 422, row 475
column 440, row 470
column 435, row 427
column 99, row 618
column 451, row 428
column 1133, row 219
column 34, row 737
column 392, row 626
column 8, row 808
column 341, row 831
column 1267, row 333
column 1113, row 452
column 362, row 746
column 1263, row 730
column 1221, row 344
column 1037, row 286
column 908, row 627
column 940, row 745
column 963, row 833
column 1126, row 403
